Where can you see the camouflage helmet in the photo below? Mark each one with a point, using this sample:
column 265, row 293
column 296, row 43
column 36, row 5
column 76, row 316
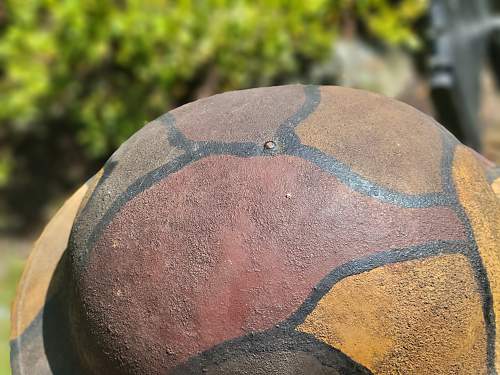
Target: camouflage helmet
column 281, row 230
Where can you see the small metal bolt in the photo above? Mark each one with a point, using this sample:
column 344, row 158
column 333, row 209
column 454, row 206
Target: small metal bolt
column 269, row 145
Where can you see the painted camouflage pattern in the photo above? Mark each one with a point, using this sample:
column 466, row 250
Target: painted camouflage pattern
column 365, row 241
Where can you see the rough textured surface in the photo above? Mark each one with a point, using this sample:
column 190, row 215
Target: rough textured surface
column 221, row 227
column 483, row 210
column 423, row 315
column 273, row 352
column 400, row 148
column 144, row 152
column 216, row 250
column 239, row 116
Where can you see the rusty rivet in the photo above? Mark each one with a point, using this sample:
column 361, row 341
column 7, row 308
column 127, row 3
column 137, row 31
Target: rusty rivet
column 269, row 145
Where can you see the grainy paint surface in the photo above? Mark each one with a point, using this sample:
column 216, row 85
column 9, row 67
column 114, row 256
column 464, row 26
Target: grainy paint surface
column 483, row 211
column 423, row 315
column 400, row 147
column 365, row 240
column 239, row 116
column 222, row 278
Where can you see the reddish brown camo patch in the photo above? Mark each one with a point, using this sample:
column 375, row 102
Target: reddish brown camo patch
column 227, row 246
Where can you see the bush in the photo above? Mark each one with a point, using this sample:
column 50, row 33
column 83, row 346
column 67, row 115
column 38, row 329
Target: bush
column 78, row 77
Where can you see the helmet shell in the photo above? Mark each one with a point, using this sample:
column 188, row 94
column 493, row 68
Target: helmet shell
column 288, row 230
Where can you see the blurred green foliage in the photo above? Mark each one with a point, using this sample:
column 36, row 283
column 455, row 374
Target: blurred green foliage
column 79, row 77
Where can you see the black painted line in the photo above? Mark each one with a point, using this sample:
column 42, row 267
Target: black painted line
column 134, row 189
column 291, row 145
column 107, row 169
column 475, row 259
column 285, row 135
column 366, row 187
column 288, row 144
column 370, row 263
column 194, row 151
column 26, row 347
column 275, row 340
column 175, row 137
column 285, row 333
column 111, row 163
column 313, row 98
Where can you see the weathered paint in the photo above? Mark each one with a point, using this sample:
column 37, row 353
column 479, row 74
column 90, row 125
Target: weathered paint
column 201, row 249
column 214, row 245
column 424, row 316
column 239, row 116
column 400, row 147
column 483, row 211
column 143, row 152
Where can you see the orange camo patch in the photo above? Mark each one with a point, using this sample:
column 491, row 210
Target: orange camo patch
column 424, row 316
column 483, row 210
column 393, row 145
